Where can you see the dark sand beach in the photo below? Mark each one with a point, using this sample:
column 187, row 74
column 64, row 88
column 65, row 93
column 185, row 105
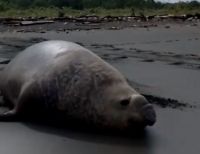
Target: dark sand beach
column 161, row 62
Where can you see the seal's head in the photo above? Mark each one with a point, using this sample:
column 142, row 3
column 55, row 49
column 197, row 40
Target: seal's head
column 122, row 107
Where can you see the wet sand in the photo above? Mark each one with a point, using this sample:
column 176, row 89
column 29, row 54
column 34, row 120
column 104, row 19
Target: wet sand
column 158, row 61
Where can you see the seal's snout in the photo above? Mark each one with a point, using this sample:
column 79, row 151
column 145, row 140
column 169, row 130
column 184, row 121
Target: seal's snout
column 148, row 114
column 145, row 109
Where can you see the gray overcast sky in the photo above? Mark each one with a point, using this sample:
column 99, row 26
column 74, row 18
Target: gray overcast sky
column 172, row 1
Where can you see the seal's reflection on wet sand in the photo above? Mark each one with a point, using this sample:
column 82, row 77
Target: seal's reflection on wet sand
column 89, row 134
column 43, row 138
column 138, row 140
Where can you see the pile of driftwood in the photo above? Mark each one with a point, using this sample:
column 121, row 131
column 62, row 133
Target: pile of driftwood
column 93, row 19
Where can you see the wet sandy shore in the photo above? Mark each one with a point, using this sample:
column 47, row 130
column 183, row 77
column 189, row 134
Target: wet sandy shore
column 162, row 63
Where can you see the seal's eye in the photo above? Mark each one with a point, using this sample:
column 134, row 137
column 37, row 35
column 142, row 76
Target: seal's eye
column 125, row 102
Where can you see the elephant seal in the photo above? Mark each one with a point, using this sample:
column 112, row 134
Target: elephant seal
column 68, row 79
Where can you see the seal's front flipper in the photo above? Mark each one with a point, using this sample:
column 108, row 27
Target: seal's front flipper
column 7, row 115
column 1, row 100
column 4, row 109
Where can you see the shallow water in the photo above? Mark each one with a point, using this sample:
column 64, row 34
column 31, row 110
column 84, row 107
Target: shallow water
column 159, row 61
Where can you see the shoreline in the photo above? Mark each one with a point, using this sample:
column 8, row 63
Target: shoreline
column 92, row 22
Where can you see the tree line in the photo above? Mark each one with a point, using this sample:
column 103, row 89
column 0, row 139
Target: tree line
column 84, row 4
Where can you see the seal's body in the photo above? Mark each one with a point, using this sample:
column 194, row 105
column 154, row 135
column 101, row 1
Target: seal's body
column 63, row 77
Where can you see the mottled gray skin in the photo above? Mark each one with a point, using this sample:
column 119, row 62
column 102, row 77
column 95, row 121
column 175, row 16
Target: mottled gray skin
column 63, row 77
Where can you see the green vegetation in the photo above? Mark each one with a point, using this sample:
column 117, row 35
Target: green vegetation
column 97, row 7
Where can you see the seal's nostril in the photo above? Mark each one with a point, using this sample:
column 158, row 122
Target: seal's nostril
column 149, row 114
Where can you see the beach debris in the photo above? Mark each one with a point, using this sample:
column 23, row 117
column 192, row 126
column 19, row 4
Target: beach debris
column 27, row 23
column 167, row 26
column 94, row 19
